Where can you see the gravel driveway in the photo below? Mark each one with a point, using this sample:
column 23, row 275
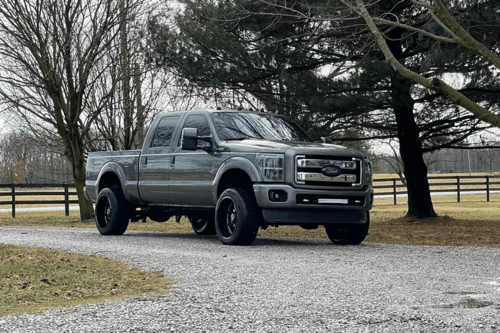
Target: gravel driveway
column 279, row 285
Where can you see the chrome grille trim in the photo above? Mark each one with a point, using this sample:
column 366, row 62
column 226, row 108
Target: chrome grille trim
column 353, row 168
column 316, row 163
column 319, row 177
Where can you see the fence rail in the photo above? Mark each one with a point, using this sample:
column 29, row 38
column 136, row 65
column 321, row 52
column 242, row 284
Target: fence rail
column 391, row 187
column 45, row 190
column 441, row 184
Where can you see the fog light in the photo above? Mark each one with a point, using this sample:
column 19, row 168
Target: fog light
column 278, row 196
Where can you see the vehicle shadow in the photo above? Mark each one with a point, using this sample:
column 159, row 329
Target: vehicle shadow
column 259, row 242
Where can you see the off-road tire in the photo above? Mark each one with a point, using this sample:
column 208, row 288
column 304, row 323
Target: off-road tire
column 203, row 225
column 111, row 209
column 236, row 217
column 348, row 234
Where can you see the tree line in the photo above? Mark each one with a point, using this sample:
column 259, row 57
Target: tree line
column 24, row 161
column 445, row 161
column 90, row 75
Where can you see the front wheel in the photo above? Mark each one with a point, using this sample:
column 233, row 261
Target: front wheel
column 348, row 234
column 236, row 217
column 111, row 212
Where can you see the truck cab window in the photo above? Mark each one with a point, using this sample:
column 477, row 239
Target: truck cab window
column 164, row 131
column 200, row 122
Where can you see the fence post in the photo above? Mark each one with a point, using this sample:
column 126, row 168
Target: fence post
column 394, row 191
column 66, row 199
column 13, row 188
column 458, row 189
column 487, row 188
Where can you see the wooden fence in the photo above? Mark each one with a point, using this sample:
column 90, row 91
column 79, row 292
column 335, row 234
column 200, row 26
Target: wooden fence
column 441, row 184
column 34, row 190
column 391, row 187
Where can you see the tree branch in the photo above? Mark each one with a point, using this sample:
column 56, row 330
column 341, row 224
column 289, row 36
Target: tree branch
column 434, row 84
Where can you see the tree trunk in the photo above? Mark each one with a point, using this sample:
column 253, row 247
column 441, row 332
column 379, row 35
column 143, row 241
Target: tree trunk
column 128, row 140
column 415, row 170
column 86, row 206
column 74, row 152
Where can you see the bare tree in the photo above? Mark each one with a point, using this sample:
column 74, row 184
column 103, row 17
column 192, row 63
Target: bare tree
column 24, row 159
column 53, row 58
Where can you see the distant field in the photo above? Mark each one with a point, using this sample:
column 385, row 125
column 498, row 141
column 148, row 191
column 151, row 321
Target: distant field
column 446, row 182
column 430, row 175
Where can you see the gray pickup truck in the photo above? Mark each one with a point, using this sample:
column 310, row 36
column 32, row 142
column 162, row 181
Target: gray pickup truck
column 231, row 173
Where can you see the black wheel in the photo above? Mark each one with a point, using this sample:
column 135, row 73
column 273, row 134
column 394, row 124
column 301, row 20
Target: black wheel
column 111, row 212
column 348, row 234
column 236, row 217
column 203, row 225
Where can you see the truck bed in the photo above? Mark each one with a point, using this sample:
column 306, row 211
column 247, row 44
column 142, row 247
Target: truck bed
column 124, row 162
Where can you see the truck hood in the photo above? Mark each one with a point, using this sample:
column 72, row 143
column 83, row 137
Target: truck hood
column 266, row 146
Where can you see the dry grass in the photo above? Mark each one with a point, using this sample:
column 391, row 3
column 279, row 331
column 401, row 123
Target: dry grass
column 470, row 207
column 33, row 280
column 472, row 222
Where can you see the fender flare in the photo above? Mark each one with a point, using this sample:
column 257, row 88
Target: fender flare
column 240, row 163
column 235, row 163
column 114, row 168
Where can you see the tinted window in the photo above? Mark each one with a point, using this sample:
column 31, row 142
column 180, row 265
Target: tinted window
column 164, row 131
column 200, row 122
column 246, row 125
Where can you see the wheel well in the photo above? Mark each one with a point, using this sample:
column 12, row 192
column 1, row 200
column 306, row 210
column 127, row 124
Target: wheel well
column 234, row 178
column 108, row 180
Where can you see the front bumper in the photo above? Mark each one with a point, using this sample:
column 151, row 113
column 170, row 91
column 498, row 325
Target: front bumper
column 284, row 204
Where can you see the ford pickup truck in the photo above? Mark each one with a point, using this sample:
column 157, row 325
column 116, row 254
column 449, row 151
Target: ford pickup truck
column 230, row 173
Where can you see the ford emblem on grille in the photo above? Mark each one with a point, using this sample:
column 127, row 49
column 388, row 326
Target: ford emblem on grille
column 331, row 171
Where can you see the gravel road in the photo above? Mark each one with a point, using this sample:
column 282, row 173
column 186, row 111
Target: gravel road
column 279, row 285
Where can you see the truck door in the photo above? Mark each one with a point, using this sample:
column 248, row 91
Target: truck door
column 192, row 172
column 156, row 162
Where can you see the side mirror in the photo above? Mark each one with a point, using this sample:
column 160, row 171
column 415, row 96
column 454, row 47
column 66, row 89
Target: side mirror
column 190, row 138
column 325, row 140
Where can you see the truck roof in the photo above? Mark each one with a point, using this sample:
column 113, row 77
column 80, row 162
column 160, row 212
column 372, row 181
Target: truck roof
column 221, row 110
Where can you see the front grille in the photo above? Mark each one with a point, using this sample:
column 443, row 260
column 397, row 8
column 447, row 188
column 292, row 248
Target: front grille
column 309, row 170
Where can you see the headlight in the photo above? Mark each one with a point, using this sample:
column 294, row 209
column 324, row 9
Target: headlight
column 271, row 167
column 368, row 166
column 368, row 171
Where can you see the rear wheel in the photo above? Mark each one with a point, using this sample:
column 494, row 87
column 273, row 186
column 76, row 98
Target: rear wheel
column 236, row 217
column 203, row 225
column 348, row 234
column 111, row 211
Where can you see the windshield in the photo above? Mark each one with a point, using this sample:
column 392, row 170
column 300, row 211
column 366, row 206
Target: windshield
column 246, row 125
